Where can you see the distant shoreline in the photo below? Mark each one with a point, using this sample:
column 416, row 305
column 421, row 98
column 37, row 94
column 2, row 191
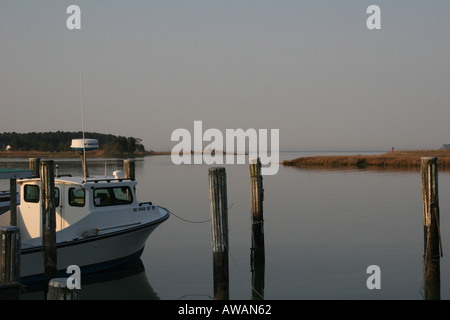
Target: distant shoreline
column 73, row 154
column 395, row 159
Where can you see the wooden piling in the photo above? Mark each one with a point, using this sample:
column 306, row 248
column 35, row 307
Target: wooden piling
column 10, row 245
column 58, row 290
column 48, row 221
column 129, row 169
column 257, row 189
column 219, row 223
column 257, row 256
column 432, row 237
column 34, row 164
column 257, row 198
column 10, row 290
column 13, row 201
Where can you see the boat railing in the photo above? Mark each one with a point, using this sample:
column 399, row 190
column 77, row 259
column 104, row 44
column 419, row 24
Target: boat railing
column 108, row 180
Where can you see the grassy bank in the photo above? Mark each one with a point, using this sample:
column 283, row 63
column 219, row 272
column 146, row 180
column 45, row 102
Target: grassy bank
column 396, row 159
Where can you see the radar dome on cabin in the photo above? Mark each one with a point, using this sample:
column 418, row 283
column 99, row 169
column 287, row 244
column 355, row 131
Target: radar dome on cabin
column 89, row 144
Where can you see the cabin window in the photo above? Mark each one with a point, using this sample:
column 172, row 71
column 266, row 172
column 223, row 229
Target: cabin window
column 112, row 196
column 56, row 197
column 31, row 193
column 76, row 197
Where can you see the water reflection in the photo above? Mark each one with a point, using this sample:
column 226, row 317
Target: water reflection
column 258, row 268
column 125, row 282
column 323, row 228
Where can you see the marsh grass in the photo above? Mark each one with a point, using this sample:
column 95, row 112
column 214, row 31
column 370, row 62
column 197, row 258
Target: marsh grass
column 396, row 159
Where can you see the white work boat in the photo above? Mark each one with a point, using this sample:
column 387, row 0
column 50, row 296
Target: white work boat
column 99, row 223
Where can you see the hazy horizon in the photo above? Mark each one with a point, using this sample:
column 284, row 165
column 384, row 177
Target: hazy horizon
column 311, row 69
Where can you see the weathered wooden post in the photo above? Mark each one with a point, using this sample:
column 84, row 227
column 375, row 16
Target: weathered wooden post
column 257, row 256
column 10, row 245
column 13, row 201
column 219, row 222
column 432, row 237
column 35, row 164
column 257, row 198
column 129, row 169
column 58, row 290
column 48, row 221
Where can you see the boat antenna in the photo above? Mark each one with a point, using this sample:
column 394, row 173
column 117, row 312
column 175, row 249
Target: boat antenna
column 82, row 126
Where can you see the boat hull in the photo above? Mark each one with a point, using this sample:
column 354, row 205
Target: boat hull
column 91, row 254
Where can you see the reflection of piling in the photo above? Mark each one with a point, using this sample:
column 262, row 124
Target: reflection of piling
column 219, row 218
column 258, row 267
column 10, row 244
column 257, row 258
column 430, row 198
column 58, row 290
column 48, row 221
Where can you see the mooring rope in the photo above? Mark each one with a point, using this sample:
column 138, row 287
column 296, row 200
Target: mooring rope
column 204, row 221
column 240, row 195
column 195, row 294
column 186, row 220
column 232, row 258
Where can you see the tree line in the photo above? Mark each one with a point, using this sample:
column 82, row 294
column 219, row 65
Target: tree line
column 60, row 141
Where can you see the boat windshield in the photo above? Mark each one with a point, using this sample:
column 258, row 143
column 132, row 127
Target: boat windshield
column 112, row 196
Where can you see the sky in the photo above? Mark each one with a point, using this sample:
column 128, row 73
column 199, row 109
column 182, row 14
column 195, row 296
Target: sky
column 311, row 69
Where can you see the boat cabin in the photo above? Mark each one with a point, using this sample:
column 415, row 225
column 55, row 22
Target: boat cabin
column 74, row 200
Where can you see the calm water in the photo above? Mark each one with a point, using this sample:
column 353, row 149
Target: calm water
column 323, row 228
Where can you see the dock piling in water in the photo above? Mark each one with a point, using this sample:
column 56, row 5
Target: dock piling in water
column 10, row 246
column 129, row 169
column 58, row 290
column 257, row 255
column 257, row 198
column 219, row 223
column 13, row 201
column 432, row 237
column 48, row 221
column 34, row 164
